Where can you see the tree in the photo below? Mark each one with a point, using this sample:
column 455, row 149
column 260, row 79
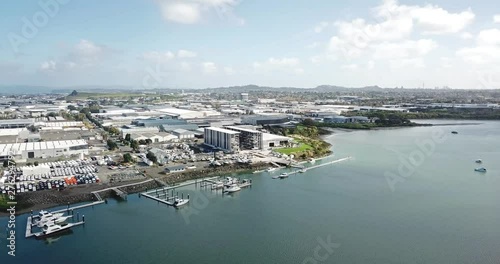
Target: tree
column 152, row 157
column 142, row 142
column 127, row 137
column 127, row 158
column 134, row 145
column 71, row 108
column 149, row 141
column 308, row 122
column 52, row 114
column 74, row 93
column 35, row 163
column 114, row 131
column 112, row 145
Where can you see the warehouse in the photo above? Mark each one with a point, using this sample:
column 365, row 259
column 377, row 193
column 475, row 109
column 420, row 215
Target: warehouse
column 250, row 139
column 44, row 149
column 270, row 141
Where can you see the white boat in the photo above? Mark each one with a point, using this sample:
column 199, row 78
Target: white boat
column 271, row 169
column 479, row 161
column 303, row 170
column 180, row 202
column 283, row 175
column 52, row 221
column 312, row 160
column 480, row 169
column 53, row 229
column 233, row 188
column 46, row 215
column 218, row 185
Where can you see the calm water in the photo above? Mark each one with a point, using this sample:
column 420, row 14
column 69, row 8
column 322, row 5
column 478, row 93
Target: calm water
column 440, row 212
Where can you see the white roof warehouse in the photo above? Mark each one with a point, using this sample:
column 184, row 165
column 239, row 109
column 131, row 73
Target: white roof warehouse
column 44, row 149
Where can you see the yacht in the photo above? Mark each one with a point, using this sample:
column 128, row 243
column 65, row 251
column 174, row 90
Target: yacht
column 53, row 229
column 233, row 188
column 217, row 185
column 480, row 169
column 53, row 221
column 180, row 202
column 479, row 161
column 45, row 215
column 283, row 175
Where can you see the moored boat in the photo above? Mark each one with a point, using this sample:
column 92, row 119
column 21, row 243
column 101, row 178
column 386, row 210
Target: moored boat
column 233, row 188
column 283, row 175
column 180, row 202
column 480, row 169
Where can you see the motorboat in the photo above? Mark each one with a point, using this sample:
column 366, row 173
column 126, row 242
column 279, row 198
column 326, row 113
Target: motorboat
column 454, row 132
column 271, row 169
column 480, row 169
column 302, row 170
column 180, row 202
column 218, row 185
column 311, row 160
column 479, row 161
column 53, row 229
column 233, row 188
column 46, row 215
column 283, row 175
column 53, row 221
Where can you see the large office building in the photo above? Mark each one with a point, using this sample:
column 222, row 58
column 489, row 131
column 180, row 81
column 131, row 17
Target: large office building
column 221, row 138
column 44, row 149
column 250, row 139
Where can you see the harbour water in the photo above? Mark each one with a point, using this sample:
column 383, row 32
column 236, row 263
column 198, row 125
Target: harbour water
column 408, row 196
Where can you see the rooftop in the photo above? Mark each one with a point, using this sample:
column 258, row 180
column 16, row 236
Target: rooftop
column 218, row 129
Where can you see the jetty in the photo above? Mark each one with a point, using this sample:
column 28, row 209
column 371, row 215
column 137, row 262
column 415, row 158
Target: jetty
column 315, row 166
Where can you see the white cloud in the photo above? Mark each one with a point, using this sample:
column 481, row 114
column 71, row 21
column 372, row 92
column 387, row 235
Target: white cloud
column 370, row 65
column 48, row 66
column 209, row 67
column 193, row 11
column 313, row 45
column 185, row 66
column 299, row 71
column 229, row 70
column 487, row 49
column 350, row 67
column 186, row 54
column 320, row 27
column 466, row 35
column 404, row 63
column 393, row 23
column 283, row 62
column 496, row 18
column 157, row 56
column 392, row 50
column 315, row 59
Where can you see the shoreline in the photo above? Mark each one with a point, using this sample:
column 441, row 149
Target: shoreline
column 47, row 199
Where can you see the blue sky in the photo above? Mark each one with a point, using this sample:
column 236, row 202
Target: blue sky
column 211, row 43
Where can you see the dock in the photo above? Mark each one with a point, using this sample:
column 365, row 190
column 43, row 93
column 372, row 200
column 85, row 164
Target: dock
column 120, row 193
column 30, row 233
column 315, row 166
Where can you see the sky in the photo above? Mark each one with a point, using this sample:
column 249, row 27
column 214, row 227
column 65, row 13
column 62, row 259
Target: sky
column 148, row 44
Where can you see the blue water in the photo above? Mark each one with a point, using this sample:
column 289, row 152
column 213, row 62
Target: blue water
column 440, row 212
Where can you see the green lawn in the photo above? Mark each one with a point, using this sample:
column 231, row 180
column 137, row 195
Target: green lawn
column 3, row 201
column 300, row 148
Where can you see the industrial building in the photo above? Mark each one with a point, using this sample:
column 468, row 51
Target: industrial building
column 44, row 149
column 265, row 119
column 16, row 123
column 250, row 139
column 221, row 138
column 271, row 141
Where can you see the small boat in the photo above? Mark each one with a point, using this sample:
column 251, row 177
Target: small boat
column 454, row 132
column 257, row 171
column 233, row 188
column 180, row 202
column 479, row 161
column 311, row 160
column 52, row 221
column 271, row 169
column 283, row 175
column 480, row 169
column 45, row 215
column 302, row 170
